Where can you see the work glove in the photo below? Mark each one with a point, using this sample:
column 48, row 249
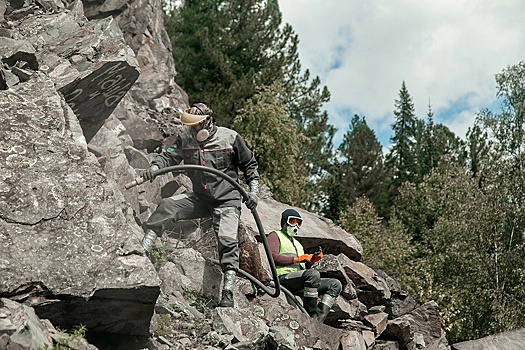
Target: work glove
column 147, row 174
column 251, row 202
column 303, row 258
column 318, row 255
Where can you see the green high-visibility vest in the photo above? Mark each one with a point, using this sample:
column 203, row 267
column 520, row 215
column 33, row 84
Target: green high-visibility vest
column 289, row 246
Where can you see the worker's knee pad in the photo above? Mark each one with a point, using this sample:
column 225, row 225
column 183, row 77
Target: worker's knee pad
column 226, row 222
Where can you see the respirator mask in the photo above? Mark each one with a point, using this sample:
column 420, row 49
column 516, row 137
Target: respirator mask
column 293, row 224
column 203, row 132
column 292, row 230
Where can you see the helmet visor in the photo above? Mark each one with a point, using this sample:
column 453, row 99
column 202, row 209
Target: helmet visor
column 192, row 119
column 294, row 221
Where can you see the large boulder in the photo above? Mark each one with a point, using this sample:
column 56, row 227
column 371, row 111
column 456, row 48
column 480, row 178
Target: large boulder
column 69, row 245
column 511, row 340
column 316, row 230
column 88, row 61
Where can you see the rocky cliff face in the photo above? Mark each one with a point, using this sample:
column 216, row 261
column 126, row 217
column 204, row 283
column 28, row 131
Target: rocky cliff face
column 87, row 97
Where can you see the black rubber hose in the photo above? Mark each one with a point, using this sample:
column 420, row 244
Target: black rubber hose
column 243, row 193
column 256, row 281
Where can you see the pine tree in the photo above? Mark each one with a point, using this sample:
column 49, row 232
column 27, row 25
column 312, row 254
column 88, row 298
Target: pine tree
column 401, row 159
column 363, row 174
column 227, row 51
column 304, row 101
column 336, row 198
column 420, row 149
column 446, row 143
column 478, row 148
column 429, row 159
column 437, row 141
column 279, row 163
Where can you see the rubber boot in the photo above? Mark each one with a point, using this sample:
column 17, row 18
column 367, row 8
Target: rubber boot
column 148, row 242
column 227, row 289
column 323, row 308
column 310, row 301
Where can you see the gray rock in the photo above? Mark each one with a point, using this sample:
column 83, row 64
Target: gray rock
column 353, row 340
column 239, row 323
column 315, row 231
column 512, row 340
column 88, row 61
column 96, row 92
column 385, row 345
column 400, row 302
column 378, row 321
column 346, row 309
column 66, row 247
column 143, row 25
column 146, row 136
column 20, row 328
column 371, row 289
column 419, row 329
column 17, row 52
column 330, row 267
column 289, row 323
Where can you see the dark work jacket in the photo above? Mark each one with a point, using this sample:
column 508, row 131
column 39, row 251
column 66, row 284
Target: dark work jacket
column 224, row 150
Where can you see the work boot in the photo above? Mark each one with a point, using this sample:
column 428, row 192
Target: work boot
column 227, row 289
column 227, row 298
column 323, row 308
column 310, row 301
column 148, row 242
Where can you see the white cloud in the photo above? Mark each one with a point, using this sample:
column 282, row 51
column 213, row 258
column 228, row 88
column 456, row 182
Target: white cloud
column 460, row 123
column 446, row 51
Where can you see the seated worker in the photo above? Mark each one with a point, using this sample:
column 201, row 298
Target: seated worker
column 293, row 268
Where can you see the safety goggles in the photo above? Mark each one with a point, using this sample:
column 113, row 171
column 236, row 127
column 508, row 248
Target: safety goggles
column 294, row 221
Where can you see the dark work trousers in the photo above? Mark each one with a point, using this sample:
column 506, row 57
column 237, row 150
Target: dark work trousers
column 296, row 281
column 188, row 206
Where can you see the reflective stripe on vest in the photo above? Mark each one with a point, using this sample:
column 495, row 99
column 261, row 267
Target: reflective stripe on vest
column 289, row 247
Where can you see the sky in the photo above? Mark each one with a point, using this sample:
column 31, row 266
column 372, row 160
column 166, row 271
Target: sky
column 446, row 51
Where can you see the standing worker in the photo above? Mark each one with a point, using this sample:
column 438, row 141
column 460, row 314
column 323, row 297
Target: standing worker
column 204, row 143
column 294, row 268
